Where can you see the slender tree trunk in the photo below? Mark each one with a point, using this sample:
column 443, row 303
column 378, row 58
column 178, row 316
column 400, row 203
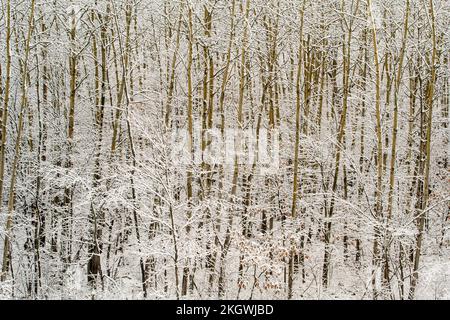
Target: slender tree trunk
column 4, row 114
column 420, row 217
column 296, row 150
column 379, row 185
column 23, row 108
column 186, row 273
column 398, row 82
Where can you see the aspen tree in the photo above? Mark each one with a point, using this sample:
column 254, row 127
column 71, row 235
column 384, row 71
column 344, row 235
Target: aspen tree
column 323, row 79
column 208, row 96
column 186, row 273
column 173, row 68
column 296, row 150
column 240, row 122
column 94, row 265
column 40, row 207
column 125, row 64
column 227, row 240
column 226, row 69
column 363, row 75
column 265, row 81
column 347, row 91
column 340, row 145
column 398, row 81
column 4, row 114
column 212, row 258
column 426, row 175
column 274, row 115
column 406, row 253
column 379, row 152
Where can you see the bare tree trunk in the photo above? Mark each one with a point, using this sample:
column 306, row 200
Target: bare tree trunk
column 4, row 114
column 339, row 148
column 186, row 273
column 379, row 185
column 420, row 217
column 23, row 108
column 296, row 151
column 398, row 82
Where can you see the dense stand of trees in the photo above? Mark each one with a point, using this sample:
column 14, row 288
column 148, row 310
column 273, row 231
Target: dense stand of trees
column 350, row 99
